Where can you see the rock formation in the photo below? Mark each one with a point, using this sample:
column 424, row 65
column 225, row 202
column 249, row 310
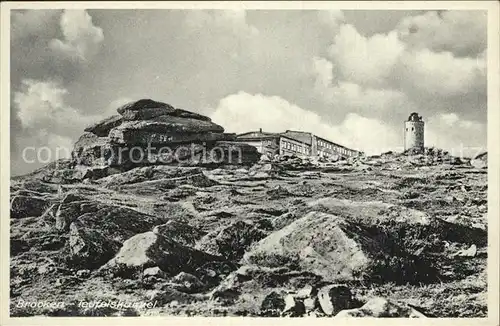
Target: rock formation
column 148, row 132
column 392, row 235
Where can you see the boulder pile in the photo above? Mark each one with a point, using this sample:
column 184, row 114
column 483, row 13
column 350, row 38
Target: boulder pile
column 147, row 132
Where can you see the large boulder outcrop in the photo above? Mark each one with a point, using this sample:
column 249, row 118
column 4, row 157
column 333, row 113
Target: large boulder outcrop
column 151, row 249
column 324, row 244
column 148, row 132
column 102, row 128
column 163, row 129
column 92, row 150
column 144, row 109
column 98, row 230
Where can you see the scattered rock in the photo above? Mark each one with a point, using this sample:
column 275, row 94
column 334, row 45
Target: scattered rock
column 180, row 232
column 273, row 304
column 189, row 283
column 380, row 307
column 153, row 271
column 22, row 206
column 310, row 304
column 265, row 158
column 334, row 298
column 96, row 236
column 292, row 307
column 306, row 292
column 83, row 273
column 470, row 252
column 230, row 241
column 278, row 192
column 480, row 161
column 89, row 248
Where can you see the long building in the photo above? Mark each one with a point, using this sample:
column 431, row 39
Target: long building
column 292, row 142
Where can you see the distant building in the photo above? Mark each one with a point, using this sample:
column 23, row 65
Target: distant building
column 414, row 132
column 293, row 142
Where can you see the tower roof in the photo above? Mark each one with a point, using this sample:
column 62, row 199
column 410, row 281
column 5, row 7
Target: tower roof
column 414, row 117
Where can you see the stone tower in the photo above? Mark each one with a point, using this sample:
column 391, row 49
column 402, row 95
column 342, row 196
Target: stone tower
column 414, row 132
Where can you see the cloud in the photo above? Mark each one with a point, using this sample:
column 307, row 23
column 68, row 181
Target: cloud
column 383, row 60
column 462, row 32
column 48, row 125
column 331, row 18
column 115, row 104
column 355, row 74
column 233, row 21
column 441, row 73
column 39, row 52
column 82, row 38
column 29, row 23
column 41, row 106
column 366, row 60
column 47, row 121
column 371, row 135
column 384, row 71
column 242, row 112
column 455, row 134
column 345, row 96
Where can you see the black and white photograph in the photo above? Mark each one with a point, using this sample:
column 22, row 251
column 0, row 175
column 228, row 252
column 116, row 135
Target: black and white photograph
column 248, row 161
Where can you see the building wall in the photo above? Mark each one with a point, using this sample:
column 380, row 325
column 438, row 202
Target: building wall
column 292, row 147
column 326, row 148
column 414, row 134
column 283, row 145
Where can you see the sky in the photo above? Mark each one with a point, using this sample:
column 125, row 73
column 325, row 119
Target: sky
column 351, row 76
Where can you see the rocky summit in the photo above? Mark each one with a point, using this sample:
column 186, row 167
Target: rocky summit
column 393, row 235
column 158, row 204
column 147, row 132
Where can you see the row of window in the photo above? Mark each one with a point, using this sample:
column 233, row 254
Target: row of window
column 294, row 147
column 305, row 150
column 333, row 147
column 327, row 145
column 344, row 151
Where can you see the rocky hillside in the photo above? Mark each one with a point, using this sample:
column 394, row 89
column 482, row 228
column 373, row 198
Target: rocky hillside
column 389, row 236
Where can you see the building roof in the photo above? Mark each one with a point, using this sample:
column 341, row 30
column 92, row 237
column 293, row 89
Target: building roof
column 414, row 117
column 256, row 135
column 301, row 136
